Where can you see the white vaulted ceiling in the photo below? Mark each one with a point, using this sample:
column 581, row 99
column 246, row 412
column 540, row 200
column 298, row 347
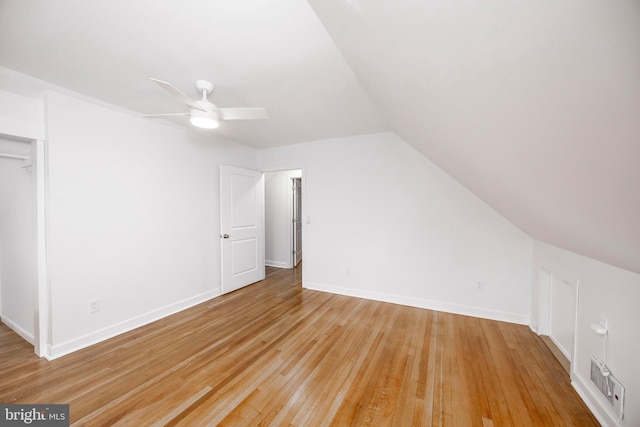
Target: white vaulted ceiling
column 275, row 55
column 533, row 106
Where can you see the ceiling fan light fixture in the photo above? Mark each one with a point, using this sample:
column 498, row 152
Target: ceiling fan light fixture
column 203, row 113
column 204, row 119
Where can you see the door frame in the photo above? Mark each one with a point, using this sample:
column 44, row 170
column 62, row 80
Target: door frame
column 545, row 306
column 292, row 233
column 41, row 298
column 306, row 220
column 42, row 343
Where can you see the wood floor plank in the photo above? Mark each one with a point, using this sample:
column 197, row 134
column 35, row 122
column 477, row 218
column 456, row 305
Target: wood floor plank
column 276, row 354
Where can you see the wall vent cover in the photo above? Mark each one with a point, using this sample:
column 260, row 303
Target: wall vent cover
column 610, row 387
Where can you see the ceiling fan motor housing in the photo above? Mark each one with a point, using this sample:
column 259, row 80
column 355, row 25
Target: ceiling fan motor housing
column 204, row 86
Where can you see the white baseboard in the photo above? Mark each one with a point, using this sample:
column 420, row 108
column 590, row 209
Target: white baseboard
column 562, row 350
column 103, row 334
column 17, row 329
column 276, row 264
column 482, row 313
column 594, row 402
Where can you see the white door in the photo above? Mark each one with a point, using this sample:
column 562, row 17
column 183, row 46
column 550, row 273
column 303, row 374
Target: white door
column 297, row 221
column 241, row 227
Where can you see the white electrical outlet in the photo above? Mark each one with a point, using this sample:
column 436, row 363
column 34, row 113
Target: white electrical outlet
column 94, row 306
column 480, row 286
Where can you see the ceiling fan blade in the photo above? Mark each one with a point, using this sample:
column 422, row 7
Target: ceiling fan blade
column 241, row 113
column 153, row 116
column 177, row 93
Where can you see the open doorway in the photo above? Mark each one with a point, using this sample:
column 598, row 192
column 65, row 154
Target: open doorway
column 557, row 313
column 18, row 236
column 24, row 304
column 283, row 218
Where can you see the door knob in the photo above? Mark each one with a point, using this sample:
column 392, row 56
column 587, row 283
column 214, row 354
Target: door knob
column 225, row 236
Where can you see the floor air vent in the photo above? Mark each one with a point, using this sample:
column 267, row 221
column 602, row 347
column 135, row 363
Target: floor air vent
column 610, row 388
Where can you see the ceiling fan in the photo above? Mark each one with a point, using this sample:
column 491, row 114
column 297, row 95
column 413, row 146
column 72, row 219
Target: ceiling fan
column 203, row 113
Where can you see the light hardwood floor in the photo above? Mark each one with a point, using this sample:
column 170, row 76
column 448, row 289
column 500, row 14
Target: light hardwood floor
column 560, row 357
column 276, row 354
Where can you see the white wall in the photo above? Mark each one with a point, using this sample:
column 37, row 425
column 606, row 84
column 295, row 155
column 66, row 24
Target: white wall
column 133, row 218
column 20, row 115
column 18, row 278
column 386, row 223
column 606, row 292
column 278, row 214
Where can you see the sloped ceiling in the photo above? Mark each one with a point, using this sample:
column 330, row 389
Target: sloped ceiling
column 533, row 106
column 275, row 55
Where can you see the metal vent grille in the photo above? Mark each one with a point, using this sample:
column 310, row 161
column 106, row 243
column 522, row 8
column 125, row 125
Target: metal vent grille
column 610, row 387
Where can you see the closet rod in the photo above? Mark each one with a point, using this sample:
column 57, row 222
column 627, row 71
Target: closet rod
column 13, row 156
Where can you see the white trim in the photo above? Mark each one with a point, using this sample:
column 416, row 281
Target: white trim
column 592, row 401
column 42, row 316
column 17, row 329
column 128, row 325
column 574, row 350
column 559, row 346
column 277, row 264
column 464, row 310
column 291, row 207
column 290, row 191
